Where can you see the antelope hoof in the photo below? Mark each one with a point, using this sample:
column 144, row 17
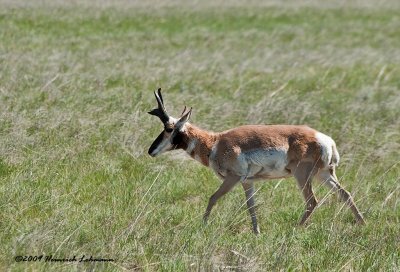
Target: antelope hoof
column 303, row 223
column 256, row 230
column 361, row 222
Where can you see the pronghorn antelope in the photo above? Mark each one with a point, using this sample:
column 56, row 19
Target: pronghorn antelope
column 251, row 152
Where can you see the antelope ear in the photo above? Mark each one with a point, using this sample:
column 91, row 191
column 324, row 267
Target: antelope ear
column 184, row 119
column 184, row 110
column 160, row 96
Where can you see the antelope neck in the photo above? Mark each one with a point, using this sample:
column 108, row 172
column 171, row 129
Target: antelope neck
column 198, row 143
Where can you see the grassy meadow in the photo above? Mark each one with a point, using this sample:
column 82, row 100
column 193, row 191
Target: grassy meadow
column 77, row 80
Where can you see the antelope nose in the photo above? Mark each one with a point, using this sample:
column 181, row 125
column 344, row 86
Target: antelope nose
column 151, row 153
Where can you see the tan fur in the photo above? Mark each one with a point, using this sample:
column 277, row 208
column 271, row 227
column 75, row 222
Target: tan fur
column 300, row 142
column 205, row 141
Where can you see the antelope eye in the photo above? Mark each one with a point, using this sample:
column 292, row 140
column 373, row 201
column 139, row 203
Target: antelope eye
column 169, row 130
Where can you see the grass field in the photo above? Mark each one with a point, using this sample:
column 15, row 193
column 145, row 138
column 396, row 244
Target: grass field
column 76, row 81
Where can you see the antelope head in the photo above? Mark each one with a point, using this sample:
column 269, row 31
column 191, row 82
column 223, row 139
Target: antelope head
column 171, row 136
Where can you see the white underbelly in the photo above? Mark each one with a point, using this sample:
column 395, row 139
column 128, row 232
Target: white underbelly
column 265, row 163
column 254, row 164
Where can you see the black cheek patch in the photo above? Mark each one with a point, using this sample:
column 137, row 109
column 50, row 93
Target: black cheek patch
column 177, row 140
column 156, row 142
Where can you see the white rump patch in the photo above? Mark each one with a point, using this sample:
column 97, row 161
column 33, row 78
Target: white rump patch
column 329, row 152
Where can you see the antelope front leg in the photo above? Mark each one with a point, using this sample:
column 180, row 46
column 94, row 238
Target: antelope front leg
column 249, row 191
column 226, row 186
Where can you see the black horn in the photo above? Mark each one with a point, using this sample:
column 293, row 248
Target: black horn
column 160, row 112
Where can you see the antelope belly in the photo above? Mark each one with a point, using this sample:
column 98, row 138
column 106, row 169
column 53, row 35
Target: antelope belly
column 266, row 163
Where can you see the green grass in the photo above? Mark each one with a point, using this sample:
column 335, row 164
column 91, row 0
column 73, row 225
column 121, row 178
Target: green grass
column 76, row 82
